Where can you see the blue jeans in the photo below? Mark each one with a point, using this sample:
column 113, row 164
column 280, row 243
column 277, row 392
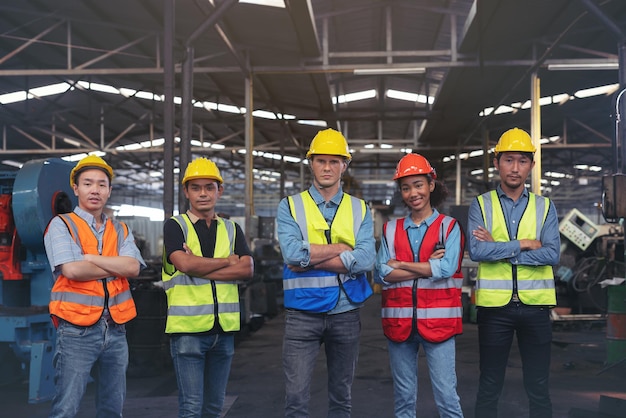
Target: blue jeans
column 102, row 346
column 496, row 327
column 202, row 365
column 304, row 334
column 441, row 367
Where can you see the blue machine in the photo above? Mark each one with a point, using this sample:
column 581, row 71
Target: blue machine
column 29, row 198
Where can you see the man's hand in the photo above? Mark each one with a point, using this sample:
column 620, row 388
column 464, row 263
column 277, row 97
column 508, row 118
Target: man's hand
column 438, row 253
column 481, row 234
column 529, row 244
column 187, row 249
column 393, row 263
column 298, row 269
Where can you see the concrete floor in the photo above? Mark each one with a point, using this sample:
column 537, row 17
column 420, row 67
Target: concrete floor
column 579, row 376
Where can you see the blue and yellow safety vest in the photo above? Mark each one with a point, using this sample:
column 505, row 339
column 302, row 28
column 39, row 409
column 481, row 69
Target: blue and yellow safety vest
column 318, row 290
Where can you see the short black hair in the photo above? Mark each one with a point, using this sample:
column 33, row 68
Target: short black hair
column 530, row 155
column 90, row 167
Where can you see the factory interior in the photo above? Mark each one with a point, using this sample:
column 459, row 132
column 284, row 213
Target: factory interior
column 151, row 85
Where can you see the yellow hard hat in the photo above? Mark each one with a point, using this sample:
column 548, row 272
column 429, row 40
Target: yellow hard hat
column 202, row 168
column 515, row 140
column 90, row 161
column 330, row 142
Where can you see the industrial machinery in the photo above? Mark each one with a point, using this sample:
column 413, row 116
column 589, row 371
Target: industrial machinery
column 29, row 198
column 590, row 254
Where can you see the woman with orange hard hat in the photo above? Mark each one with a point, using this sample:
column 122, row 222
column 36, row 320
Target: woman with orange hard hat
column 418, row 264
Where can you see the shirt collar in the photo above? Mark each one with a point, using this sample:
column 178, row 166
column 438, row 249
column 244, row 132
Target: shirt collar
column 193, row 218
column 318, row 199
column 502, row 194
column 408, row 222
column 88, row 217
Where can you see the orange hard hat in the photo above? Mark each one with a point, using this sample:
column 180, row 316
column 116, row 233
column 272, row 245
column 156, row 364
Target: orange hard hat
column 414, row 164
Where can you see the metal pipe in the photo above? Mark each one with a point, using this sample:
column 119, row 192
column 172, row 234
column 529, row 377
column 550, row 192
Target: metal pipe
column 168, row 108
column 604, row 19
column 535, row 131
column 217, row 13
column 186, row 108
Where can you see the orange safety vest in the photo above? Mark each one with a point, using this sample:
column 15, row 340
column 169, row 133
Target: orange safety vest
column 433, row 308
column 82, row 303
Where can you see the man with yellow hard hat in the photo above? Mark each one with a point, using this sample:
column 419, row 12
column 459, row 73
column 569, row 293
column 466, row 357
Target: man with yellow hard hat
column 515, row 239
column 327, row 242
column 204, row 256
column 91, row 256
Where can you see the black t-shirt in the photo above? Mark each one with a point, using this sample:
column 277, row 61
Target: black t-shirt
column 173, row 238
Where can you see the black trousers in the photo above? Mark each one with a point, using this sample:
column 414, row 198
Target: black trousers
column 533, row 328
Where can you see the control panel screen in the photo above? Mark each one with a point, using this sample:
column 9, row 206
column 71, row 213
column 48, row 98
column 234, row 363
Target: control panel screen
column 583, row 226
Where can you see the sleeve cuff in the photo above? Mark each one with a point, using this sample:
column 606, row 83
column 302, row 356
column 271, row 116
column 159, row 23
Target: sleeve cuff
column 306, row 247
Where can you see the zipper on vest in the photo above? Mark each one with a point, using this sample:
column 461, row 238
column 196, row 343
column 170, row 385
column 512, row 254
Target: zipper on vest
column 414, row 296
column 106, row 293
column 215, row 307
column 514, row 271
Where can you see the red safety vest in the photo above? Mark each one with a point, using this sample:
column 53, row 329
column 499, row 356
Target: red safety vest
column 82, row 303
column 433, row 308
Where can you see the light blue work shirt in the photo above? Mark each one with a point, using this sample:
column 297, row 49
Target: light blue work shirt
column 442, row 268
column 297, row 252
column 547, row 255
column 62, row 249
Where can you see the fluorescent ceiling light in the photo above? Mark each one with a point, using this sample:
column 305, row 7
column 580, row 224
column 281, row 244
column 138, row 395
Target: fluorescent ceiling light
column 269, row 3
column 72, row 142
column 18, row 96
column 321, row 123
column 609, row 65
column 596, row 91
column 12, row 163
column 410, row 97
column 353, row 97
column 556, row 99
column 389, row 70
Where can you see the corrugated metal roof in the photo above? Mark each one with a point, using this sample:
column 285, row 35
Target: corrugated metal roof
column 299, row 58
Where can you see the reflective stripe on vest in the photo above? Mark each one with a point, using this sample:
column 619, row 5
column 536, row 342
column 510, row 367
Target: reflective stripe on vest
column 194, row 304
column 494, row 284
column 318, row 290
column 82, row 302
column 432, row 307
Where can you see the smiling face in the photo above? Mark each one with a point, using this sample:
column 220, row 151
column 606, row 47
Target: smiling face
column 416, row 192
column 327, row 170
column 93, row 190
column 514, row 168
column 203, row 195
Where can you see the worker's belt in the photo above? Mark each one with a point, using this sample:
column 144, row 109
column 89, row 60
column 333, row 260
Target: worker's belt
column 515, row 298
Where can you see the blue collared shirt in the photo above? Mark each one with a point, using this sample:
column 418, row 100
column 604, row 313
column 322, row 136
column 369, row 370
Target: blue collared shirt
column 441, row 267
column 550, row 237
column 62, row 249
column 296, row 251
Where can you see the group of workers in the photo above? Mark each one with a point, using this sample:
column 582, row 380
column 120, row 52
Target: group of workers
column 328, row 246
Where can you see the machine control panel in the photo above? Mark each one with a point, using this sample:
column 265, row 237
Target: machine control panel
column 577, row 228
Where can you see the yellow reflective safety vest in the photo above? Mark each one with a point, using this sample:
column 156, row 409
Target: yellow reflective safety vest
column 318, row 290
column 195, row 304
column 496, row 279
